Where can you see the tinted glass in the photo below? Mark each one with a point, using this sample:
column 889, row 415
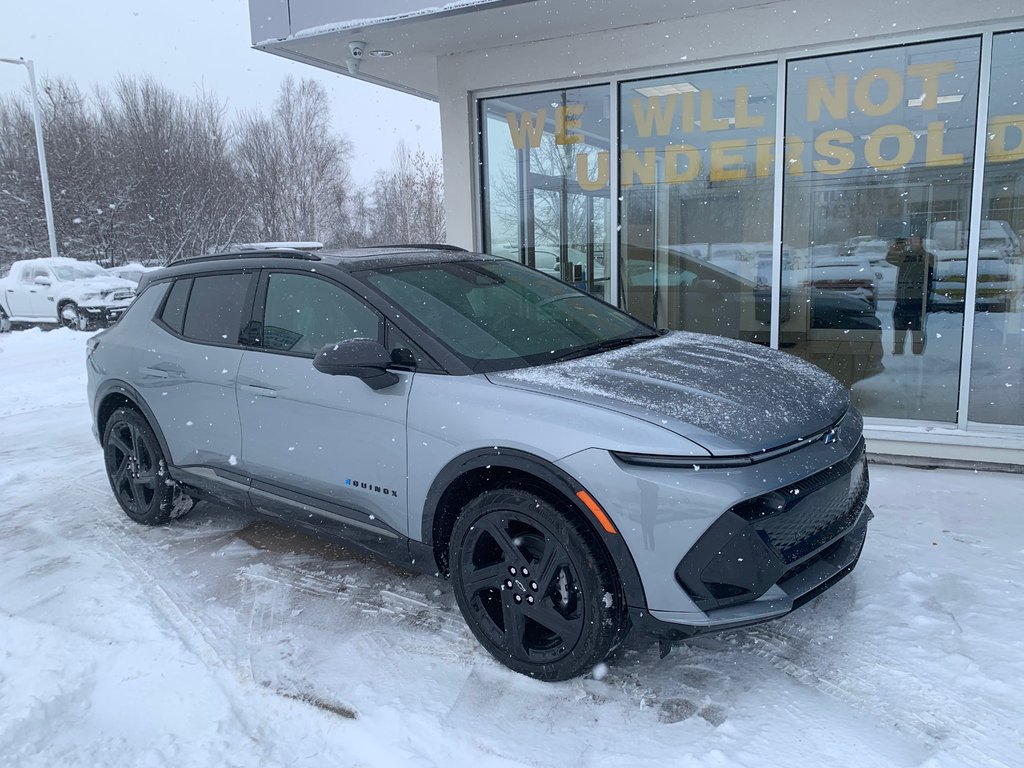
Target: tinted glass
column 546, row 188
column 997, row 372
column 173, row 314
column 876, row 202
column 215, row 308
column 304, row 313
column 500, row 315
column 697, row 174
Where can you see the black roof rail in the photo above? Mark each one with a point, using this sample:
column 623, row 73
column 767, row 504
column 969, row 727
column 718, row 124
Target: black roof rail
column 288, row 253
column 424, row 246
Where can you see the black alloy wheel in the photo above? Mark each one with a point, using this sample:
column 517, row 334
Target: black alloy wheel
column 137, row 470
column 535, row 585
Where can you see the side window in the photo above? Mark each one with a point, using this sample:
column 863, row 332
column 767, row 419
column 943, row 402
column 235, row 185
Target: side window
column 215, row 307
column 173, row 314
column 30, row 275
column 303, row 313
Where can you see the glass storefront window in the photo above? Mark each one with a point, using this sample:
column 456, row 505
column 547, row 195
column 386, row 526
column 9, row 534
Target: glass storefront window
column 546, row 182
column 696, row 173
column 876, row 203
column 997, row 362
column 877, row 165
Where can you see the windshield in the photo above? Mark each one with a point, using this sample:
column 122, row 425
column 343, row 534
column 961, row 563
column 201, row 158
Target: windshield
column 81, row 271
column 498, row 314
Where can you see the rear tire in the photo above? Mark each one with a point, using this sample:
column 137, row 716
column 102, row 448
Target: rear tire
column 5, row 321
column 535, row 585
column 138, row 472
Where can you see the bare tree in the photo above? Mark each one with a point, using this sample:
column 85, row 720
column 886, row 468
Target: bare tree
column 294, row 167
column 407, row 200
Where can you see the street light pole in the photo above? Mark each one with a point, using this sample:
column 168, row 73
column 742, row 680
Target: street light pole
column 43, row 174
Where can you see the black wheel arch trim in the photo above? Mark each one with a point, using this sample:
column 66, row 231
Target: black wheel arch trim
column 564, row 483
column 126, row 390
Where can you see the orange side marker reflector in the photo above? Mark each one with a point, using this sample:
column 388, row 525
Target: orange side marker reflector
column 596, row 510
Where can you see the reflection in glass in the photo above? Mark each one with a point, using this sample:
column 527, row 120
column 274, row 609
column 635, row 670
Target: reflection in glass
column 876, row 203
column 997, row 363
column 545, row 182
column 696, row 171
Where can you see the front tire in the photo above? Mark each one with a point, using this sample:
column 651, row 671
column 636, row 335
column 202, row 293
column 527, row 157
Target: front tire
column 535, row 585
column 71, row 317
column 138, row 472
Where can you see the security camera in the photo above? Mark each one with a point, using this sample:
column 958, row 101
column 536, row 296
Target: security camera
column 356, row 49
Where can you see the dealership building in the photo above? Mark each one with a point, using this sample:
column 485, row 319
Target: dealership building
column 843, row 181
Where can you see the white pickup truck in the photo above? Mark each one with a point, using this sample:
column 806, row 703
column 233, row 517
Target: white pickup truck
column 77, row 294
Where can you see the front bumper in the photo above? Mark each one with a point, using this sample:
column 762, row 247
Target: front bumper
column 717, row 548
column 105, row 314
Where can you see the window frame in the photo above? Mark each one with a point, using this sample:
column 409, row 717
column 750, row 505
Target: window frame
column 247, row 304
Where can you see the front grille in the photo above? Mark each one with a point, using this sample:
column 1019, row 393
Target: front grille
column 754, row 544
column 829, row 505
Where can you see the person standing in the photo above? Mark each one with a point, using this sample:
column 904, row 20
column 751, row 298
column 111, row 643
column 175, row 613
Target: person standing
column 913, row 281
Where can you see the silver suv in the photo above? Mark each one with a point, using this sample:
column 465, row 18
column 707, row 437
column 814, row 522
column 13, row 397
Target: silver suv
column 575, row 472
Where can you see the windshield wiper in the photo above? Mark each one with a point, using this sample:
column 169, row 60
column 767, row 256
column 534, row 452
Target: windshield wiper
column 605, row 345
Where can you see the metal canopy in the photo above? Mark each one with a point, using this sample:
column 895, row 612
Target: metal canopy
column 319, row 32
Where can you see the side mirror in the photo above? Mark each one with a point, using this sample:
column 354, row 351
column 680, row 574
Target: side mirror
column 363, row 358
column 40, row 280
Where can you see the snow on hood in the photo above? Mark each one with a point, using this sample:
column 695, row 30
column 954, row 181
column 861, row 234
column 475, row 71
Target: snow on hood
column 729, row 396
column 99, row 284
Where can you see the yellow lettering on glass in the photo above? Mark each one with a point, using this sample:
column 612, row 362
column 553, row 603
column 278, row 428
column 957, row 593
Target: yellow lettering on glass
column 764, row 155
column 893, row 92
column 673, row 154
column 708, row 121
column 836, row 101
column 934, row 152
column 641, row 166
column 725, row 165
column 904, row 152
column 525, row 126
column 568, row 118
column 1002, row 132
column 743, row 117
column 583, row 171
column 654, row 114
column 835, row 157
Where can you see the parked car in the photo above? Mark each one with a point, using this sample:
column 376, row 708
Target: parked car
column 846, row 274
column 574, row 471
column 874, row 252
column 133, row 271
column 1000, row 268
column 77, row 294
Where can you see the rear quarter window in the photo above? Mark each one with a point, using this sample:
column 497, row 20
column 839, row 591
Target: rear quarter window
column 215, row 308
column 173, row 314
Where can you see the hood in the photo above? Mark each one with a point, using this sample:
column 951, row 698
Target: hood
column 101, row 285
column 728, row 396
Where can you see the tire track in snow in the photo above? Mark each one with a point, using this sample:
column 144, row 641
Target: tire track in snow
column 944, row 715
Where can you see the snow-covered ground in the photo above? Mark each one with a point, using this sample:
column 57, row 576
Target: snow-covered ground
column 222, row 640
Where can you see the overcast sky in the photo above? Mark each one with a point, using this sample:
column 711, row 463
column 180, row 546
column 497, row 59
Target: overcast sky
column 191, row 45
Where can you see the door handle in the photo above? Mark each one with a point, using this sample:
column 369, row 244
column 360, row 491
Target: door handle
column 164, row 371
column 259, row 391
